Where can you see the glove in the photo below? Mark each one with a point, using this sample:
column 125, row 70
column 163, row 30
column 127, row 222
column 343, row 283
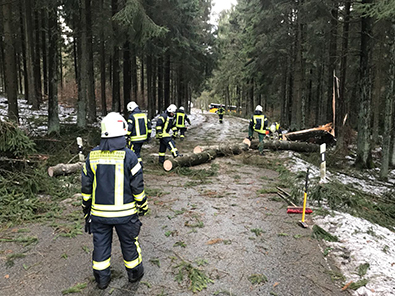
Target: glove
column 86, row 208
column 143, row 210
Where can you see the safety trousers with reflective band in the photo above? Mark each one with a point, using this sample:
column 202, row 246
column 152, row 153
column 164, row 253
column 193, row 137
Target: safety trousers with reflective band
column 136, row 148
column 167, row 143
column 102, row 240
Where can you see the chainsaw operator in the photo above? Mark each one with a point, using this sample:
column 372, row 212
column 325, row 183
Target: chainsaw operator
column 139, row 129
column 275, row 131
column 258, row 123
column 181, row 117
column 164, row 124
column 113, row 195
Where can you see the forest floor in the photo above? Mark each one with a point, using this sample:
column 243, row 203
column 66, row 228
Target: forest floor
column 217, row 227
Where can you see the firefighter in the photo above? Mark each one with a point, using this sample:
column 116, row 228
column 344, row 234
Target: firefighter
column 164, row 124
column 221, row 112
column 113, row 195
column 181, row 117
column 275, row 131
column 258, row 123
column 139, row 129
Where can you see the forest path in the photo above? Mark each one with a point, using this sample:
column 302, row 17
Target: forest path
column 222, row 218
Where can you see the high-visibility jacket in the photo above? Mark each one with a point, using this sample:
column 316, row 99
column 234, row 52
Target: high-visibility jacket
column 221, row 111
column 259, row 122
column 112, row 184
column 139, row 126
column 181, row 117
column 164, row 124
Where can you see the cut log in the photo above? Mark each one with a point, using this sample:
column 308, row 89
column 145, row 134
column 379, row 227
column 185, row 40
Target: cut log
column 286, row 145
column 64, row 169
column 189, row 160
column 223, row 149
column 317, row 135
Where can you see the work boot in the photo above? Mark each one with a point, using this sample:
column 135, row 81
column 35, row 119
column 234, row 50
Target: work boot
column 136, row 273
column 101, row 282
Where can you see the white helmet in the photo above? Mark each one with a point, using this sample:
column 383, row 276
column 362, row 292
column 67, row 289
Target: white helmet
column 172, row 108
column 182, row 108
column 113, row 125
column 259, row 108
column 273, row 128
column 131, row 106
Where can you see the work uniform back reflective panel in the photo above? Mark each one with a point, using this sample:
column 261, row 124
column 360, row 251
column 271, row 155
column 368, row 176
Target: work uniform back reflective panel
column 180, row 120
column 259, row 123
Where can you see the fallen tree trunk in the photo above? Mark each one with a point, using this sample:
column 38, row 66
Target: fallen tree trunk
column 317, row 135
column 189, row 160
column 286, row 145
column 64, row 169
column 223, row 149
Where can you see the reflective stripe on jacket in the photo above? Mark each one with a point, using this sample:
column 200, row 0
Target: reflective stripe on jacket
column 221, row 111
column 114, row 182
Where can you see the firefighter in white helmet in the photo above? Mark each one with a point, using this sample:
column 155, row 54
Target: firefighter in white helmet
column 164, row 124
column 221, row 112
column 113, row 195
column 258, row 123
column 139, row 129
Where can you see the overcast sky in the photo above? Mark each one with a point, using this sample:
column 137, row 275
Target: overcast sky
column 218, row 6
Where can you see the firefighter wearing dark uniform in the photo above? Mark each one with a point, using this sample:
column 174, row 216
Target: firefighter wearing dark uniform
column 221, row 112
column 139, row 129
column 181, row 117
column 164, row 124
column 113, row 196
column 258, row 123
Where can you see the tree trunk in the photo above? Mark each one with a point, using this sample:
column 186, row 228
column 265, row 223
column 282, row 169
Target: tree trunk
column 44, row 17
column 364, row 155
column 286, row 145
column 142, row 78
column 134, row 75
column 53, row 111
column 167, row 81
column 11, row 85
column 116, row 95
column 389, row 104
column 127, row 87
column 83, row 66
column 37, row 58
column 103, row 67
column 223, row 149
column 327, row 116
column 65, row 169
column 341, row 101
column 189, row 160
column 28, row 36
column 160, row 84
column 149, row 86
column 91, row 96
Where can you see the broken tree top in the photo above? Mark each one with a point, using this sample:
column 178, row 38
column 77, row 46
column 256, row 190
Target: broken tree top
column 317, row 135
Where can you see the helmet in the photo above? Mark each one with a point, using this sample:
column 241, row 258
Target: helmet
column 131, row 106
column 172, row 108
column 182, row 108
column 259, row 108
column 273, row 127
column 113, row 125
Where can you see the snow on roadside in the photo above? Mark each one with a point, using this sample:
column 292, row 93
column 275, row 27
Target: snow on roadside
column 360, row 241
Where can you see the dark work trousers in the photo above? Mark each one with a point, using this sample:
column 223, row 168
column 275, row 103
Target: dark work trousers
column 181, row 132
column 221, row 116
column 102, row 240
column 136, row 148
column 168, row 143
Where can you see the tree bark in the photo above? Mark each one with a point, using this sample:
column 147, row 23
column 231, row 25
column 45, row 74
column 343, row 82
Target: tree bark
column 64, row 169
column 10, row 63
column 53, row 108
column 286, row 145
column 223, row 149
column 364, row 154
column 116, row 95
column 83, row 66
column 190, row 160
column 127, row 79
column 91, row 95
column 103, row 67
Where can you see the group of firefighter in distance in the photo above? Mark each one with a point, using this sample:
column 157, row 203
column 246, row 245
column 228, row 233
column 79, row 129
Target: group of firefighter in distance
column 171, row 125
